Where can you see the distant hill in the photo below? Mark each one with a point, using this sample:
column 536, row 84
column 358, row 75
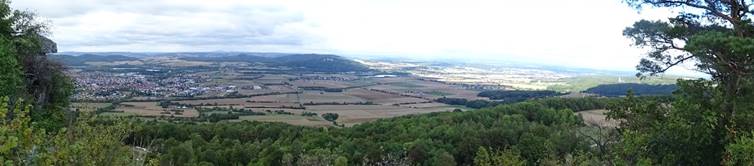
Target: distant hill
column 322, row 63
column 81, row 60
column 582, row 83
column 303, row 62
column 310, row 62
column 230, row 58
column 614, row 90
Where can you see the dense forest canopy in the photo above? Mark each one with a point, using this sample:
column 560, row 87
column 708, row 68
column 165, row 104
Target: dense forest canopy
column 498, row 97
column 535, row 132
column 615, row 90
column 559, row 103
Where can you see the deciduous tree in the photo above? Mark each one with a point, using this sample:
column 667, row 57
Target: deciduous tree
column 331, row 117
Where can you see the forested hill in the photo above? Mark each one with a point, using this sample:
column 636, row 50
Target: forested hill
column 614, row 90
column 302, row 62
column 81, row 60
column 311, row 62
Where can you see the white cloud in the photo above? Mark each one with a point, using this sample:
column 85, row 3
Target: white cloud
column 582, row 33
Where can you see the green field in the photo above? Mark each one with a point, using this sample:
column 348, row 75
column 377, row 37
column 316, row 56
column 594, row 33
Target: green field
column 406, row 85
column 581, row 83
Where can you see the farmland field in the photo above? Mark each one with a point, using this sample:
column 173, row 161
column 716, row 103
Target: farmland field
column 290, row 119
column 321, row 83
column 355, row 114
column 425, row 88
column 356, row 99
column 327, row 97
column 381, row 97
column 227, row 101
column 597, row 118
column 153, row 109
column 88, row 106
column 283, row 98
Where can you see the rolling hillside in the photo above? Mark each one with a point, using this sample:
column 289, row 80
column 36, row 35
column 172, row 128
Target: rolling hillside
column 81, row 60
column 311, row 62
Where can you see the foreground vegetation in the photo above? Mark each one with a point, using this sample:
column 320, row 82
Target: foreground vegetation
column 535, row 132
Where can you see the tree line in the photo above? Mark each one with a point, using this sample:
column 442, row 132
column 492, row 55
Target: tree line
column 577, row 104
column 615, row 90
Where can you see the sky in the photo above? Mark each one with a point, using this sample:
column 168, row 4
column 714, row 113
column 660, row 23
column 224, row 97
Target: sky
column 574, row 33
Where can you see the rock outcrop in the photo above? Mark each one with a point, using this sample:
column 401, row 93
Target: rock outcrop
column 48, row 46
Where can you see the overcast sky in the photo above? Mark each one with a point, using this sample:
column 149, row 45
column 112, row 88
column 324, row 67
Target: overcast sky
column 580, row 33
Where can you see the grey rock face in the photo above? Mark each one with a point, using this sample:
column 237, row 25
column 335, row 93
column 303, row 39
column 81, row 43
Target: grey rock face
column 48, row 46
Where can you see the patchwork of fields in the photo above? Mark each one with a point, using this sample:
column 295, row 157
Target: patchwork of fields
column 355, row 99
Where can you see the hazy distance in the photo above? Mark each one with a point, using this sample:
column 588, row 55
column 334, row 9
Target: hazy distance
column 580, row 33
